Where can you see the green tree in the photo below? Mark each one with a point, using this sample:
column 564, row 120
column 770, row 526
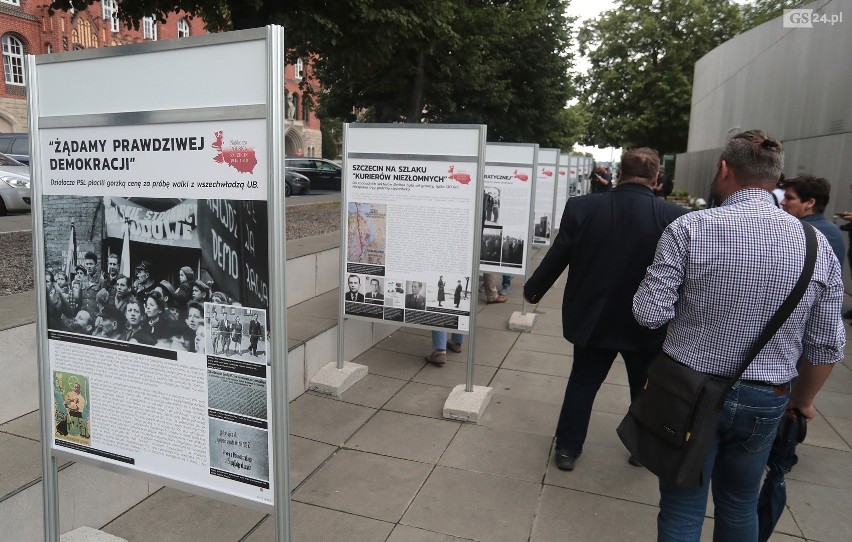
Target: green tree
column 498, row 62
column 760, row 11
column 638, row 91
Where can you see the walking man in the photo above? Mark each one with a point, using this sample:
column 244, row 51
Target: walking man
column 606, row 240
column 717, row 278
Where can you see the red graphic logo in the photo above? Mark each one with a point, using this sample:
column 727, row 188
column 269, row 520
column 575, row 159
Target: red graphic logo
column 237, row 155
column 521, row 176
column 562, row 172
column 461, row 177
column 548, row 172
column 573, row 171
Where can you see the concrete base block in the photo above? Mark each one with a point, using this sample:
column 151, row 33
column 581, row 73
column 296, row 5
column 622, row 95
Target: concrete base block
column 333, row 381
column 522, row 322
column 467, row 405
column 87, row 534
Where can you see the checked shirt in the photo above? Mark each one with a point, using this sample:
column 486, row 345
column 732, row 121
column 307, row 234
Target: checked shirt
column 719, row 275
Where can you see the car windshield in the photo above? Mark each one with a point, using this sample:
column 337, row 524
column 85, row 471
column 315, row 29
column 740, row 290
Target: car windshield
column 9, row 161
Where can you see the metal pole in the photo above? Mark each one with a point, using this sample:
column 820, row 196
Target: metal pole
column 341, row 303
column 277, row 225
column 477, row 242
column 50, row 476
column 530, row 225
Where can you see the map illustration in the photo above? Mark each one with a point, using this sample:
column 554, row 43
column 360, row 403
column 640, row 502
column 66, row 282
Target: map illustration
column 366, row 233
column 236, row 154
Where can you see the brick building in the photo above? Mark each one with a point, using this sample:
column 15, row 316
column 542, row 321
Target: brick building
column 26, row 27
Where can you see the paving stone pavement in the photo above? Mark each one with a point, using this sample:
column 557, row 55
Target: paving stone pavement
column 380, row 464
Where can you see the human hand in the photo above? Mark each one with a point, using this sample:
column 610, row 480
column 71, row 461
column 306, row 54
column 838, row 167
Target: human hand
column 847, row 216
column 808, row 411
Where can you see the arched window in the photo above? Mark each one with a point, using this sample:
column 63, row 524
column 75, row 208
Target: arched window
column 83, row 35
column 299, row 68
column 182, row 28
column 305, row 109
column 13, row 60
column 48, row 48
column 296, row 105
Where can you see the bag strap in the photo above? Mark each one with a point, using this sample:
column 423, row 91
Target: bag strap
column 788, row 305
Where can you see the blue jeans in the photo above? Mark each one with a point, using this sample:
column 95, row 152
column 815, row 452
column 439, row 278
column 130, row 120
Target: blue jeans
column 734, row 466
column 439, row 339
column 507, row 283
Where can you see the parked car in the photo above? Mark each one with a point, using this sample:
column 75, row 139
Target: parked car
column 324, row 174
column 296, row 183
column 17, row 146
column 15, row 192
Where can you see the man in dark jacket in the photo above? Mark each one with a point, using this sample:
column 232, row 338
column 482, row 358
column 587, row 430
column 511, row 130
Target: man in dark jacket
column 608, row 239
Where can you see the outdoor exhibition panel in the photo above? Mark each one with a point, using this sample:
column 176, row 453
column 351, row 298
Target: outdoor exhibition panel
column 410, row 236
column 562, row 191
column 545, row 195
column 158, row 359
column 507, row 207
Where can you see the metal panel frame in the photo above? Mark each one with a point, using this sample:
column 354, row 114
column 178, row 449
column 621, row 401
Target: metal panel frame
column 273, row 111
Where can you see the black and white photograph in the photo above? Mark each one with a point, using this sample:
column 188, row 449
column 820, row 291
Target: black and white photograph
column 492, row 240
column 491, row 205
column 374, row 287
column 239, row 450
column 513, row 249
column 133, row 269
column 354, row 288
column 237, row 393
column 236, row 332
column 415, row 295
column 449, row 292
column 541, row 231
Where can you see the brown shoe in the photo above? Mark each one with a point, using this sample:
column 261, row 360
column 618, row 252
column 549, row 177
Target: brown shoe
column 454, row 347
column 438, row 357
column 498, row 299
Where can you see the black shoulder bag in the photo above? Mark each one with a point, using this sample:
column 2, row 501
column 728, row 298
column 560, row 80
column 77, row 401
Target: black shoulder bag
column 670, row 426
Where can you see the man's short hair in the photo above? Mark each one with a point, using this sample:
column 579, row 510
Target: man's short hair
column 641, row 162
column 755, row 157
column 418, row 283
column 113, row 255
column 374, row 280
column 122, row 277
column 353, row 276
column 111, row 313
column 90, row 256
column 807, row 187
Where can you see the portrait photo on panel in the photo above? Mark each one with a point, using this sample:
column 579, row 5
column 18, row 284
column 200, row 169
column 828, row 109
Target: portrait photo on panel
column 415, row 296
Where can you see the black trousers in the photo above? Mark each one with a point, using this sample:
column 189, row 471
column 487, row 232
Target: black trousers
column 591, row 365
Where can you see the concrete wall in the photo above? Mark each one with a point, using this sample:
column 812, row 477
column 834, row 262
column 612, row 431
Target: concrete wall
column 794, row 83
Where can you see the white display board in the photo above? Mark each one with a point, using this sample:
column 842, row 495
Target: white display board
column 158, row 342
column 410, row 227
column 510, row 175
column 545, row 196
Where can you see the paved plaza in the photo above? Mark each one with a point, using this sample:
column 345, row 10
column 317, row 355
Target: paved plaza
column 381, row 464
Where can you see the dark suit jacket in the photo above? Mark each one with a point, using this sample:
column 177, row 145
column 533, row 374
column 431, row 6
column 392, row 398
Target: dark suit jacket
column 410, row 303
column 358, row 296
column 608, row 240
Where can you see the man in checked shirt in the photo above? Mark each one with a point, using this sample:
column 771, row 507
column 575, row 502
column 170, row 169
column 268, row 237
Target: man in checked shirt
column 717, row 278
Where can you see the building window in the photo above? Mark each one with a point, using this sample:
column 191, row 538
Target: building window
column 296, row 105
column 48, row 48
column 149, row 28
column 13, row 2
column 305, row 108
column 300, row 68
column 13, row 60
column 109, row 9
column 183, row 28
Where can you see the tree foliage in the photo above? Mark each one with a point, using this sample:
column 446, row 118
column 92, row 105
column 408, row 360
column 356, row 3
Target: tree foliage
column 638, row 91
column 760, row 11
column 498, row 62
